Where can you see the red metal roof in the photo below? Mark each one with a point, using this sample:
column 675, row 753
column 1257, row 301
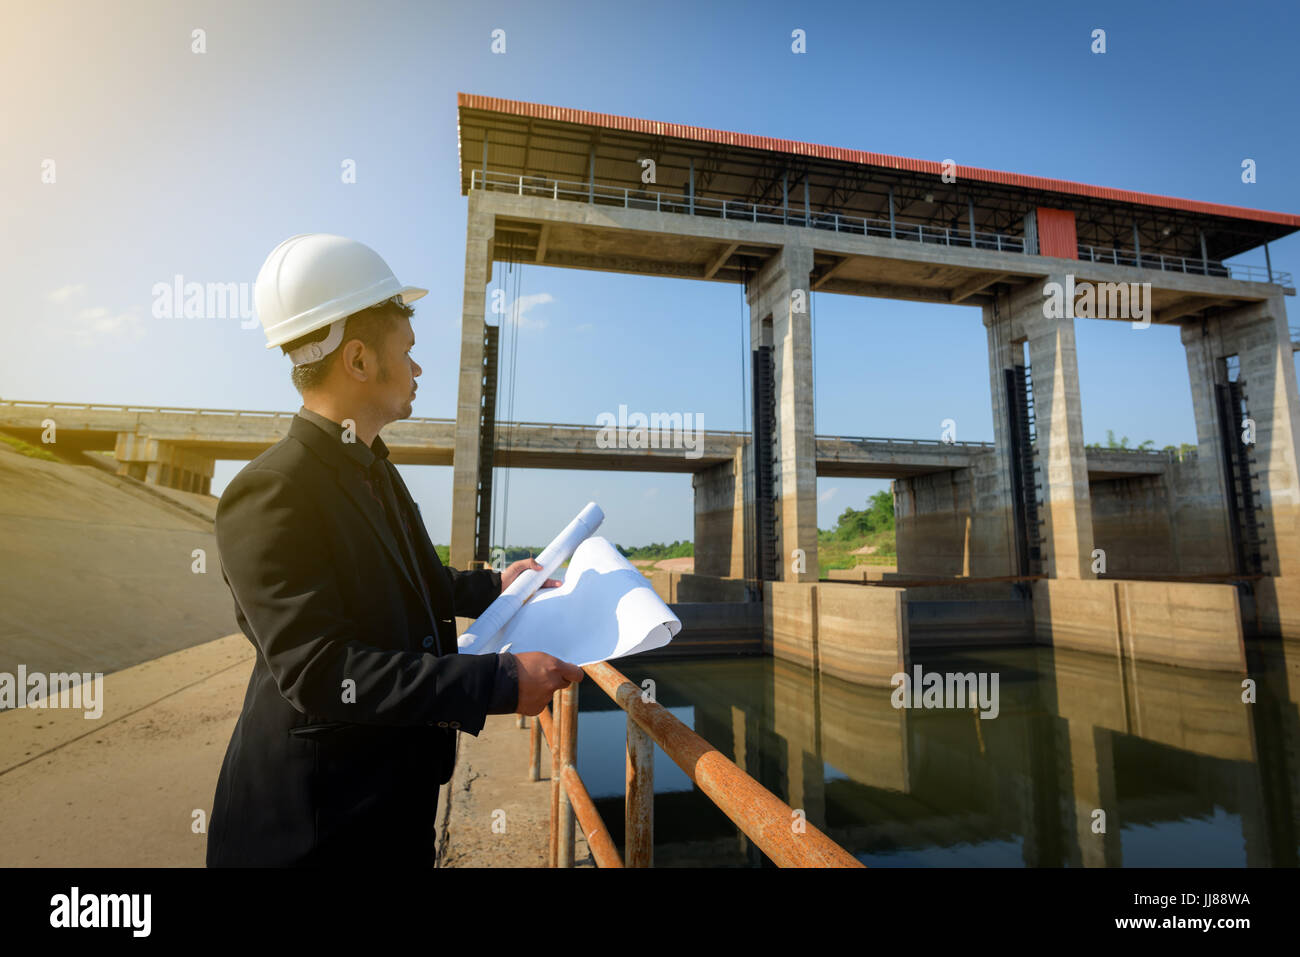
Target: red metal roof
column 700, row 134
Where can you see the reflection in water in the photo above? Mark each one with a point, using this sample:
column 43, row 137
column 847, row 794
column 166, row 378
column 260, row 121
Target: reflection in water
column 1091, row 761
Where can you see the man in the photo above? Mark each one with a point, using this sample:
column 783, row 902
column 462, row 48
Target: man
column 350, row 719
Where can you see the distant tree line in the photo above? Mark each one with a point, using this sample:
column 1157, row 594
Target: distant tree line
column 658, row 550
column 878, row 516
column 1122, row 443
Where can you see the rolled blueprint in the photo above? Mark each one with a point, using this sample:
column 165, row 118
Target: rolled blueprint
column 604, row 609
column 484, row 636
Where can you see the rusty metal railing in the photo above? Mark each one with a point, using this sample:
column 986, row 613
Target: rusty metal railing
column 774, row 827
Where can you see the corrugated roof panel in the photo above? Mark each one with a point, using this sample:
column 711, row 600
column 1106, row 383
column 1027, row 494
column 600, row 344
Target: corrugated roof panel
column 752, row 141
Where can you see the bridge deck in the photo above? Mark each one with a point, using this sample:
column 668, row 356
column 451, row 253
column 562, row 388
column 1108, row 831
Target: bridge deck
column 241, row 435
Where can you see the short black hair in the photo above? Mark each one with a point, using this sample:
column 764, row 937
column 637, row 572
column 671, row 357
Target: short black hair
column 372, row 326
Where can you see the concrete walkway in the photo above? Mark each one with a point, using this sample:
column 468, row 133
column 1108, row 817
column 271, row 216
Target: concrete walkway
column 134, row 787
column 122, row 790
column 489, row 813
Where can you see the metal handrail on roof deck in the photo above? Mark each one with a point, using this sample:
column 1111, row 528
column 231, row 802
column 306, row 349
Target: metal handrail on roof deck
column 738, row 210
column 1185, row 264
column 775, row 827
column 630, row 198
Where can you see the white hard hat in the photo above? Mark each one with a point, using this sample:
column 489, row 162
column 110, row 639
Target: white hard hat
column 318, row 279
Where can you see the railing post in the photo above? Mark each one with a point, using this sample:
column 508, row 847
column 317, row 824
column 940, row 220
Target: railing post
column 568, row 735
column 521, row 184
column 555, row 190
column 556, row 787
column 639, row 806
column 535, row 750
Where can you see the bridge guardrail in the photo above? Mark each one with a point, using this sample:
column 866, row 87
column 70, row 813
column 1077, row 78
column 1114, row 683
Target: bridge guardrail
column 714, row 434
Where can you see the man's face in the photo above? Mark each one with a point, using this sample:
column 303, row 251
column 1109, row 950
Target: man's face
column 395, row 384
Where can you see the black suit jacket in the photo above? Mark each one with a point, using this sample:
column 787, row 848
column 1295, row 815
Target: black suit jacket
column 350, row 718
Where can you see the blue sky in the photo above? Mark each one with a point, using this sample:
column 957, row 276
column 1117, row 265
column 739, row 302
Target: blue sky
column 170, row 162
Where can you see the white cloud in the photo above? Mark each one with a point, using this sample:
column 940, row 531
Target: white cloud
column 827, row 495
column 518, row 310
column 91, row 326
column 63, row 294
column 585, row 327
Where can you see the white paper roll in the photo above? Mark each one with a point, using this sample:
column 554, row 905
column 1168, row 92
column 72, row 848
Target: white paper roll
column 484, row 635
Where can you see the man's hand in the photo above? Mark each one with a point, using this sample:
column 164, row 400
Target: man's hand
column 516, row 569
column 540, row 676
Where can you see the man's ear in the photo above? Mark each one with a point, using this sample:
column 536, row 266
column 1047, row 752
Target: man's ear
column 354, row 360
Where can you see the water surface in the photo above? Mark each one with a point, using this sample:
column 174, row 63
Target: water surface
column 1182, row 772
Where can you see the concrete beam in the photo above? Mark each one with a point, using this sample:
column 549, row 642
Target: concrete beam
column 1187, row 306
column 542, row 237
column 718, row 261
column 975, row 285
column 821, row 280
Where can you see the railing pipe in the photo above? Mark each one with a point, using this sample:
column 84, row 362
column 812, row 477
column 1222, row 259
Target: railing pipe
column 603, row 849
column 767, row 820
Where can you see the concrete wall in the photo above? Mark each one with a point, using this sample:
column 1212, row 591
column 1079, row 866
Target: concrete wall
column 1131, row 523
column 861, row 632
column 1171, row 524
column 852, row 632
column 675, row 587
column 790, row 622
column 932, row 518
column 720, row 546
column 861, row 573
column 1189, row 625
column 955, row 523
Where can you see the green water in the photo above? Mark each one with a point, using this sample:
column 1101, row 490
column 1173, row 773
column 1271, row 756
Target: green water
column 1089, row 761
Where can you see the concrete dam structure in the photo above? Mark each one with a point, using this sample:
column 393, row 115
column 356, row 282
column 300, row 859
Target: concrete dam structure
column 1200, row 551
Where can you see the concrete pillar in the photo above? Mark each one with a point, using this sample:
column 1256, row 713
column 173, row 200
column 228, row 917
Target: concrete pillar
column 1203, row 517
column 163, row 463
column 780, row 316
column 993, row 523
column 469, row 399
column 721, row 545
column 1258, row 335
column 1059, row 453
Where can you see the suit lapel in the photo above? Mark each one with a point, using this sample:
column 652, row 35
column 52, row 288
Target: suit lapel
column 351, row 481
column 437, row 579
column 355, row 486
